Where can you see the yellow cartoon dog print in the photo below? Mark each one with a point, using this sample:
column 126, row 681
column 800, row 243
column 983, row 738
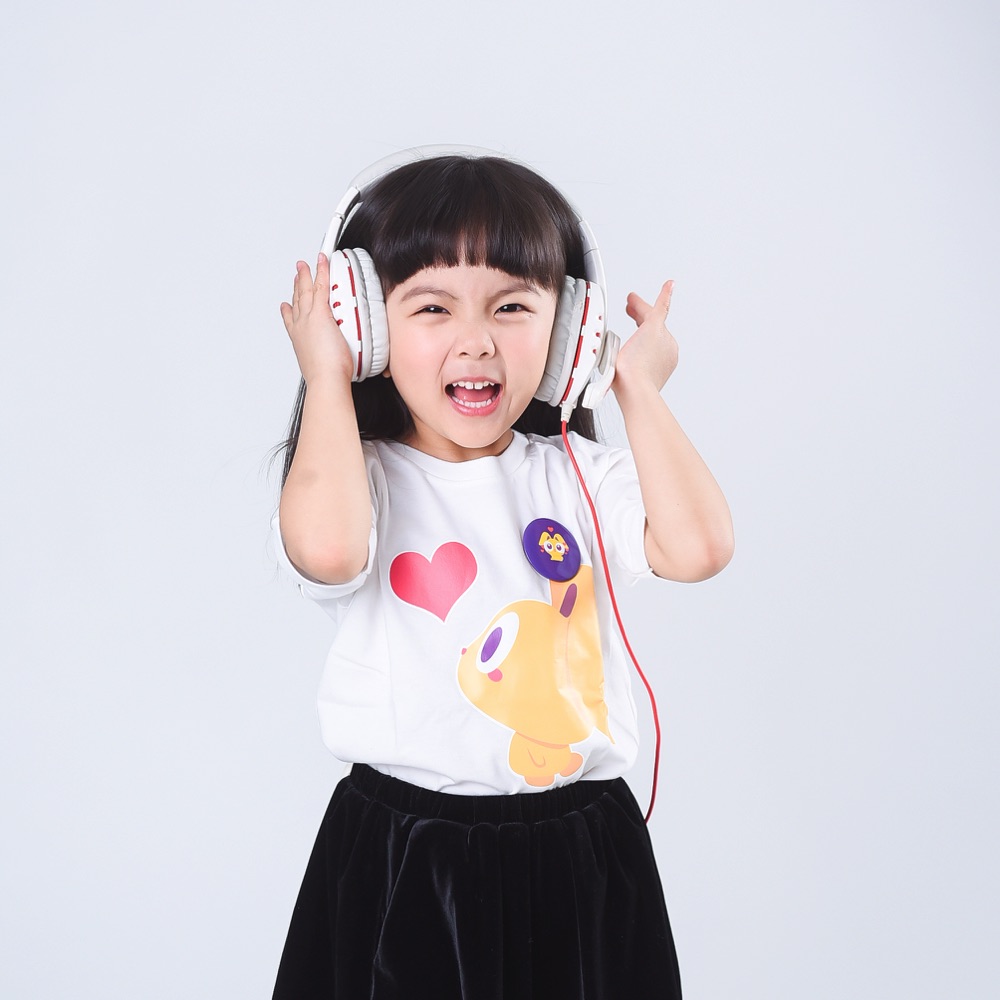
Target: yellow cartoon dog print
column 537, row 669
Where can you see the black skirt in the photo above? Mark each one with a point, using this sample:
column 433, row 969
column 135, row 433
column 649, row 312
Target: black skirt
column 415, row 894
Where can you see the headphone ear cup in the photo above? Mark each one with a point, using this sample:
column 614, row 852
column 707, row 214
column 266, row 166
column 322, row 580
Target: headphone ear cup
column 377, row 319
column 551, row 388
column 575, row 343
column 359, row 309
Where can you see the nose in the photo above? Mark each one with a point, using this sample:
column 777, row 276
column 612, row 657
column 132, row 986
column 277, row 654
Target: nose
column 475, row 341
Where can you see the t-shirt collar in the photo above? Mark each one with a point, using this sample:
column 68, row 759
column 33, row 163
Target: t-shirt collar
column 491, row 467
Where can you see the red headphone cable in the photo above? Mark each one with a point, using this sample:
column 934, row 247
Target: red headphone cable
column 618, row 618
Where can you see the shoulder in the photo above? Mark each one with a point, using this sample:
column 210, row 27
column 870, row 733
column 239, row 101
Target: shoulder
column 540, row 444
column 376, row 454
column 374, row 449
column 596, row 460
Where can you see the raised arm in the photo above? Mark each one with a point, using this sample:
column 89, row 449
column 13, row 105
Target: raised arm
column 689, row 531
column 325, row 509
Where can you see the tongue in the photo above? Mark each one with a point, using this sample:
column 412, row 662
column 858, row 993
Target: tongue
column 473, row 395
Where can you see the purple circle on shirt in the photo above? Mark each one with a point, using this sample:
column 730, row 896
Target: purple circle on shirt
column 551, row 549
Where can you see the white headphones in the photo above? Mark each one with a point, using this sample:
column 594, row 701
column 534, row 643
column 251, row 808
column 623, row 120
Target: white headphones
column 582, row 351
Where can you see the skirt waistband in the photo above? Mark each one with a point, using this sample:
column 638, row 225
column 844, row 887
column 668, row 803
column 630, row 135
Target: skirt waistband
column 530, row 807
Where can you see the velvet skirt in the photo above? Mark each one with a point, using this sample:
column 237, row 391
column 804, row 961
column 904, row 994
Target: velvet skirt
column 414, row 894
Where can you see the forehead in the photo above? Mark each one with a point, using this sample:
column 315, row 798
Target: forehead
column 464, row 281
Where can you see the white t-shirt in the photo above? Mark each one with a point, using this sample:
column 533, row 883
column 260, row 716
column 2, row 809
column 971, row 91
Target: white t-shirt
column 477, row 653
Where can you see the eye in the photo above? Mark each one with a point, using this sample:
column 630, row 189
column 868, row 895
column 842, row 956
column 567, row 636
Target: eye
column 433, row 310
column 498, row 643
column 513, row 307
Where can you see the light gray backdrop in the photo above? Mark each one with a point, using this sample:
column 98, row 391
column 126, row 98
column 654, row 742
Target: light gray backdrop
column 820, row 180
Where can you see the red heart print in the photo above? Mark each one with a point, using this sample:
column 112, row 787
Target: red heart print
column 433, row 584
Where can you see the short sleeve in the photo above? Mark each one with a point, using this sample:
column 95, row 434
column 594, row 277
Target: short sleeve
column 313, row 588
column 333, row 597
column 613, row 483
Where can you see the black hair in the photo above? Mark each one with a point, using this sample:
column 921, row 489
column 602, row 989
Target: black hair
column 450, row 210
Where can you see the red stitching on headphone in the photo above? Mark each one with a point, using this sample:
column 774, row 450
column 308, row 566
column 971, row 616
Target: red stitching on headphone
column 357, row 320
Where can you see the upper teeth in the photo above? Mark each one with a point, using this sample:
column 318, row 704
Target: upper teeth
column 473, row 385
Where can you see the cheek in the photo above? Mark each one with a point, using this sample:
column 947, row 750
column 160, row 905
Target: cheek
column 540, row 360
column 409, row 353
column 546, row 339
column 536, row 354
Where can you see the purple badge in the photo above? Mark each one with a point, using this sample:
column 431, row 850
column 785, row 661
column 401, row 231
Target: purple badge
column 551, row 549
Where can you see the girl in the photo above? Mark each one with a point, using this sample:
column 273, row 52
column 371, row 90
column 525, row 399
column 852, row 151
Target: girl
column 484, row 844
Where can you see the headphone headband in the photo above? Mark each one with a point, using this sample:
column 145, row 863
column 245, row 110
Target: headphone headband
column 354, row 196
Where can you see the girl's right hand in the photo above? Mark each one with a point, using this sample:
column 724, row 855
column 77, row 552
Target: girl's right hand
column 320, row 348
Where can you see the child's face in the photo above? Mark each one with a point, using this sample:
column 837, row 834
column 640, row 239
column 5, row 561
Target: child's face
column 452, row 328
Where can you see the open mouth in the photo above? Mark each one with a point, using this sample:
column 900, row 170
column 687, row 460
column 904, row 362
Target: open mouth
column 479, row 395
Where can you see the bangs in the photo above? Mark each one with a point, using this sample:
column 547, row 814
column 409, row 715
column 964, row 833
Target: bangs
column 454, row 210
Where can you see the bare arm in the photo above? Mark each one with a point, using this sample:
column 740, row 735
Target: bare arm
column 689, row 531
column 325, row 509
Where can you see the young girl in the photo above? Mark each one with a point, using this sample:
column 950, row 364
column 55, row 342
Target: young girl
column 484, row 844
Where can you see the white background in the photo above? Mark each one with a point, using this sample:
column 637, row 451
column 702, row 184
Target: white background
column 821, row 181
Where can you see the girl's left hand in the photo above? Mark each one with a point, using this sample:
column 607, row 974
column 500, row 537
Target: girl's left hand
column 650, row 354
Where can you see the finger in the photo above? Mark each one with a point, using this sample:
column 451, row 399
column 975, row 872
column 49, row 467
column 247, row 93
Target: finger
column 297, row 283
column 640, row 310
column 286, row 316
column 321, row 289
column 322, row 269
column 303, row 287
column 637, row 309
column 662, row 303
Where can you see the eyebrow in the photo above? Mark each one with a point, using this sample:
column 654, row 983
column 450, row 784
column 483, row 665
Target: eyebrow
column 521, row 286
